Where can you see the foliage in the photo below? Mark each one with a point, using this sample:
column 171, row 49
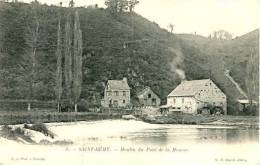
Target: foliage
column 14, row 134
column 119, row 6
column 68, row 59
column 221, row 35
column 40, row 127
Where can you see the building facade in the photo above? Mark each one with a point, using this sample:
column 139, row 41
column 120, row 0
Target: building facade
column 116, row 94
column 190, row 96
column 147, row 98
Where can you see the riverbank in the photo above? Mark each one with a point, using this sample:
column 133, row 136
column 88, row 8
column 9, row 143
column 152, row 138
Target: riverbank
column 224, row 120
column 12, row 118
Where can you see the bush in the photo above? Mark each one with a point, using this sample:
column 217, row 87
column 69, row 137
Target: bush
column 83, row 106
column 9, row 133
column 40, row 127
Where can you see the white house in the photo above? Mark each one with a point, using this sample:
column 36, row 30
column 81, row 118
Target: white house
column 190, row 96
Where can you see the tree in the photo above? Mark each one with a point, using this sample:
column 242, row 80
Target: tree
column 77, row 65
column 122, row 5
column 71, row 3
column 112, row 5
column 32, row 37
column 118, row 6
column 58, row 88
column 132, row 4
column 68, row 60
column 251, row 79
column 171, row 27
column 222, row 35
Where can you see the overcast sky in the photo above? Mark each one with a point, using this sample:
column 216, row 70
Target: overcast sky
column 189, row 16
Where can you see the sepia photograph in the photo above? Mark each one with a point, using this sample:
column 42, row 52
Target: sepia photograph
column 129, row 82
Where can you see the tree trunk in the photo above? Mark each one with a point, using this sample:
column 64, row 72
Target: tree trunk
column 76, row 107
column 58, row 106
column 29, row 107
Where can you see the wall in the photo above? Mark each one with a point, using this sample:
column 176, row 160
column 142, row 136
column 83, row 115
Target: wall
column 117, row 98
column 211, row 94
column 186, row 104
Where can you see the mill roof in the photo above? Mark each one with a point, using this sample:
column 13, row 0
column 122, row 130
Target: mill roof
column 189, row 88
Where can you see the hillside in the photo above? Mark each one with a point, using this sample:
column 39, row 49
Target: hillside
column 229, row 55
column 114, row 47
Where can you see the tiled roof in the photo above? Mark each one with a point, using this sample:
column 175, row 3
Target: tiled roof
column 189, row 88
column 118, row 85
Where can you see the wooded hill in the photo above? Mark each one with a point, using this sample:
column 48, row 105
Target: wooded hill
column 126, row 45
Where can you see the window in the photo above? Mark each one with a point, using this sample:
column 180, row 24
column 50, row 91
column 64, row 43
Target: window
column 182, row 100
column 115, row 103
column 154, row 101
column 174, row 100
column 124, row 93
column 149, row 95
column 116, row 93
column 123, row 101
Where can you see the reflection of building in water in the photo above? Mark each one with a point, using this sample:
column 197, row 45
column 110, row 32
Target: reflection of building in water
column 227, row 135
column 152, row 137
column 212, row 135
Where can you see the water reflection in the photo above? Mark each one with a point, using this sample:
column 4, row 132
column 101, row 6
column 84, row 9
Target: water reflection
column 167, row 135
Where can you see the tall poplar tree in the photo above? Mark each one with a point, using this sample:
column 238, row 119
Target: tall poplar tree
column 58, row 89
column 68, row 60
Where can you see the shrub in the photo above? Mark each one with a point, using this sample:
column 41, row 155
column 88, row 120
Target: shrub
column 40, row 127
column 83, row 106
column 9, row 133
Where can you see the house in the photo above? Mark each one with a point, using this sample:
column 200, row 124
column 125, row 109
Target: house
column 192, row 96
column 147, row 98
column 116, row 94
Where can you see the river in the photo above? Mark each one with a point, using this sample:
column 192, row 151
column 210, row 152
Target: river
column 135, row 142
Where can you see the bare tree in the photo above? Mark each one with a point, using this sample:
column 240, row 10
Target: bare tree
column 77, row 65
column 171, row 27
column 32, row 37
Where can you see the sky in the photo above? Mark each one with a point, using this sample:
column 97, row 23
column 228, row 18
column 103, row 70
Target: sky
column 189, row 16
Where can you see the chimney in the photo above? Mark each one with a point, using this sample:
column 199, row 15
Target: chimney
column 125, row 80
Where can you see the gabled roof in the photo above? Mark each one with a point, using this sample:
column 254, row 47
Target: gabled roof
column 144, row 91
column 189, row 88
column 118, row 85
